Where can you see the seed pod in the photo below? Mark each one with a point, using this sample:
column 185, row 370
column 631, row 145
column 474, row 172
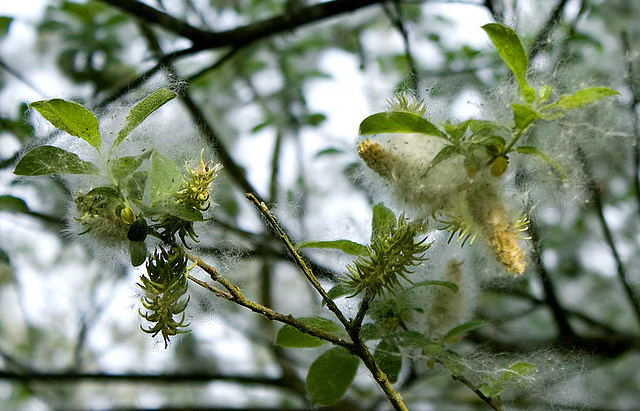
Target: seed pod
column 499, row 166
column 127, row 215
column 138, row 230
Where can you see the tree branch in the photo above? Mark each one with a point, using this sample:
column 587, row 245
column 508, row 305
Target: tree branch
column 242, row 35
column 596, row 196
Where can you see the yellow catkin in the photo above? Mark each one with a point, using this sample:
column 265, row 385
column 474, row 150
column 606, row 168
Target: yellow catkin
column 375, row 157
column 499, row 230
column 503, row 238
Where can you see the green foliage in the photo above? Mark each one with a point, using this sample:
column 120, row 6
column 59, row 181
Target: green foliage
column 346, row 246
column 44, row 160
column 5, row 24
column 398, row 122
column 165, row 177
column 11, row 203
column 387, row 355
column 142, row 110
column 464, row 328
column 291, row 337
column 509, row 47
column 382, row 223
column 71, row 118
column 330, row 376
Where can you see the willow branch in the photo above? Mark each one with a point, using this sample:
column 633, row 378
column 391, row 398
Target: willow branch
column 234, row 295
column 492, row 402
column 246, row 34
column 308, row 273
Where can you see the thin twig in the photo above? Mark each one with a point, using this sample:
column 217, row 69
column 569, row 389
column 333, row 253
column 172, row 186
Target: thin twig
column 234, row 294
column 634, row 107
column 398, row 21
column 542, row 38
column 489, row 400
column 308, row 273
column 596, row 196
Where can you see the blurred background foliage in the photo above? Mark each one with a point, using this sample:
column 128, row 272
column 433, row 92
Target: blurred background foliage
column 279, row 101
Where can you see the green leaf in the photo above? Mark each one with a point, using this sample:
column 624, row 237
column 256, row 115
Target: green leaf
column 136, row 185
column 509, row 47
column 487, row 128
column 517, row 371
column 183, row 212
column 456, row 131
column 383, row 221
column 398, row 122
column 453, row 361
column 11, row 203
column 453, row 287
column 542, row 156
column 544, row 93
column 491, row 390
column 44, row 160
column 412, row 339
column 142, row 110
column 330, row 376
column 345, row 246
column 137, row 253
column 5, row 23
column 338, row 291
column 446, row 153
column 105, row 191
column 291, row 337
column 523, row 116
column 315, row 119
column 582, row 98
column 466, row 327
column 70, row 117
column 493, row 145
column 125, row 166
column 371, row 331
column 165, row 177
column 387, row 355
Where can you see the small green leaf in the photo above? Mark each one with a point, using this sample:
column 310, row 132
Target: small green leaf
column 330, row 376
column 582, row 98
column 509, row 47
column 315, row 119
column 398, row 122
column 136, row 185
column 169, row 206
column 5, row 23
column 383, row 221
column 453, row 361
column 412, row 339
column 11, row 203
column 523, row 116
column 544, row 93
column 165, row 177
column 142, row 110
column 345, row 246
column 387, row 355
column 329, row 151
column 491, row 390
column 138, row 230
column 137, row 253
column 466, row 327
column 44, row 160
column 453, row 287
column 517, row 371
column 125, row 166
column 542, row 156
column 456, row 131
column 371, row 331
column 483, row 128
column 291, row 337
column 338, row 291
column 70, row 117
column 105, row 191
column 446, row 153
